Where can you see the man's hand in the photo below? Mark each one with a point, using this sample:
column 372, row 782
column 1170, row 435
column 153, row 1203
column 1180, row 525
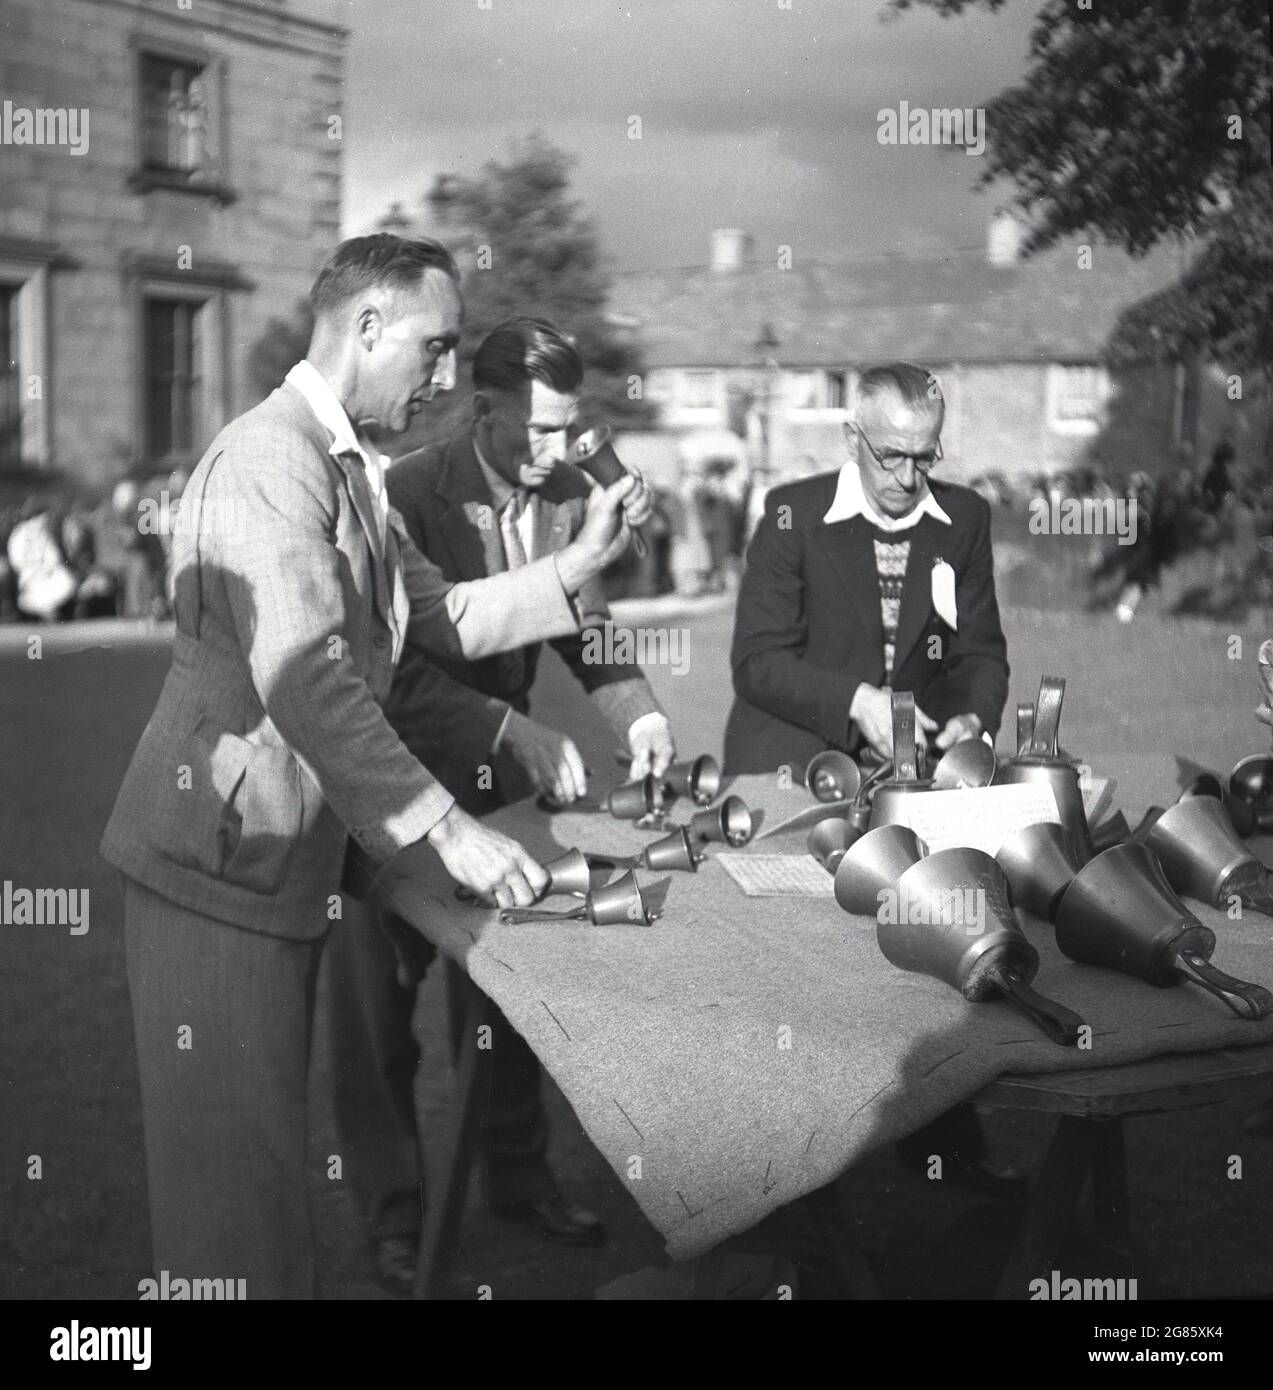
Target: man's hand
column 652, row 747
column 958, row 727
column 872, row 712
column 602, row 538
column 485, row 862
column 550, row 758
column 638, row 505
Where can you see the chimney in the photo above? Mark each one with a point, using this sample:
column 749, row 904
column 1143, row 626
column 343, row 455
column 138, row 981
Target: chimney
column 1004, row 237
column 731, row 250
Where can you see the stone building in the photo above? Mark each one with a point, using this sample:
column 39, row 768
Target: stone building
column 770, row 351
column 169, row 183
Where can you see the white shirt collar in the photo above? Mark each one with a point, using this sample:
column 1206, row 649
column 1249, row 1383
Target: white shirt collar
column 329, row 412
column 325, row 404
column 851, row 500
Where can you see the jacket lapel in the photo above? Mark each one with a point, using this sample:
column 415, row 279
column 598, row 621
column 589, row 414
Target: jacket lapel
column 365, row 508
column 917, row 589
column 470, row 527
column 853, row 553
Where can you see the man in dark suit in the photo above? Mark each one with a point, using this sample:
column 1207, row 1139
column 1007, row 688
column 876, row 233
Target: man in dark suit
column 859, row 583
column 865, row 581
column 486, row 502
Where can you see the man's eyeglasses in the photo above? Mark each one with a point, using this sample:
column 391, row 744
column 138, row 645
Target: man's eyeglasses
column 891, row 462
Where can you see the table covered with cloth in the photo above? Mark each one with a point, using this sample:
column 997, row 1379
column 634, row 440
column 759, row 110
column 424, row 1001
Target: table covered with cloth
column 744, row 1051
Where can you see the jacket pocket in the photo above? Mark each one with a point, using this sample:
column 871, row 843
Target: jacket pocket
column 243, row 817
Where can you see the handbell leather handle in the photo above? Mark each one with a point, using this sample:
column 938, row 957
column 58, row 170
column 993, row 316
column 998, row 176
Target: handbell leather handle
column 1062, row 1025
column 1025, row 727
column 1047, row 717
column 516, row 916
column 905, row 766
column 1252, row 1002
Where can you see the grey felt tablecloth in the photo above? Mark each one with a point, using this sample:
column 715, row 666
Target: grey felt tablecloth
column 744, row 1051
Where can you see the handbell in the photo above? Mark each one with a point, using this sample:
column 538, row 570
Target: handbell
column 873, row 863
column 949, row 916
column 730, row 822
column 833, row 776
column 968, row 763
column 634, row 800
column 617, row 904
column 673, row 852
column 570, row 873
column 829, row 839
column 1202, row 856
column 1239, row 812
column 1251, row 785
column 1044, row 765
column 593, row 453
column 699, row 780
column 886, row 803
column 1122, row 913
column 1039, row 862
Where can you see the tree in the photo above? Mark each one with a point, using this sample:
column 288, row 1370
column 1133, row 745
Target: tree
column 281, row 345
column 527, row 247
column 1144, row 121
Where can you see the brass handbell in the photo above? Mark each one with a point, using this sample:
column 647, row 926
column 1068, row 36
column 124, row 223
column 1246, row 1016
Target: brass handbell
column 1044, row 764
column 672, row 852
column 886, row 804
column 833, row 776
column 874, row 863
column 1039, row 862
column 982, row 952
column 617, row 904
column 829, row 839
column 1121, row 912
column 968, row 763
column 730, row 823
column 1202, row 856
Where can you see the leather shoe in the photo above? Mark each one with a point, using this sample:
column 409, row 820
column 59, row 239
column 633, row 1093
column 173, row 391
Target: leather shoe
column 985, row 1178
column 556, row 1219
column 979, row 1175
column 395, row 1264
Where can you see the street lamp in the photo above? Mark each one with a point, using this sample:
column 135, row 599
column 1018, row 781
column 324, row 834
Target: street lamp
column 766, row 347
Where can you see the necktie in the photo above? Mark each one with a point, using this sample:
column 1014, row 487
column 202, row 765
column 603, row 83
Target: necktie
column 509, row 515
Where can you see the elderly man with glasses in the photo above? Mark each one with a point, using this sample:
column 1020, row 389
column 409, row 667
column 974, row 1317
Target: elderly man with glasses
column 872, row 579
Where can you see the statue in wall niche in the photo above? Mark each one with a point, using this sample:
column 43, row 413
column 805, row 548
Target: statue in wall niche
column 190, row 128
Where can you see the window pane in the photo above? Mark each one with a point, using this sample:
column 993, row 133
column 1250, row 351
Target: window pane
column 698, row 390
column 10, row 380
column 171, row 385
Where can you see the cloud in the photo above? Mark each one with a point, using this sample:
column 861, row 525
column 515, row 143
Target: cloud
column 750, row 113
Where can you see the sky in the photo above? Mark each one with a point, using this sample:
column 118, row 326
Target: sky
column 752, row 115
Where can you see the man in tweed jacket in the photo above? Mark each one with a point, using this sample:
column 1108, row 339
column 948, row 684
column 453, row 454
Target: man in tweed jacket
column 296, row 588
column 467, row 722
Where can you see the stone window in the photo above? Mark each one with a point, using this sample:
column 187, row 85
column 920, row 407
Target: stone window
column 182, row 356
column 699, row 390
column 24, row 351
column 173, row 370
column 180, row 124
column 10, row 380
column 1076, row 397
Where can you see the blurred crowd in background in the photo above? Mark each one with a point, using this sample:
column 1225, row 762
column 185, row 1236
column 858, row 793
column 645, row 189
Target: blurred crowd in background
column 64, row 558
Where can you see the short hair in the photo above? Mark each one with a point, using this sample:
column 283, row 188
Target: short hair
column 364, row 262
column 523, row 349
column 916, row 386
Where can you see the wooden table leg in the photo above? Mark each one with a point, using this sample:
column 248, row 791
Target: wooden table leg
column 839, row 1244
column 1109, row 1184
column 445, row 1210
column 1051, row 1205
